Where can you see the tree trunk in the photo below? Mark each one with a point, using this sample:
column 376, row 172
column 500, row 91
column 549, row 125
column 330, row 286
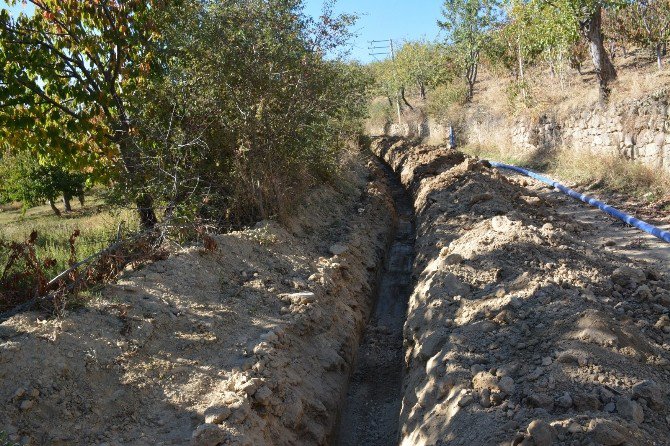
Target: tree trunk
column 132, row 166
column 471, row 75
column 591, row 28
column 422, row 90
column 659, row 55
column 402, row 95
column 145, row 208
column 81, row 198
column 54, row 208
column 66, row 203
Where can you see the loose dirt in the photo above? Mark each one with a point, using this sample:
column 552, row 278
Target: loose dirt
column 520, row 330
column 249, row 344
column 370, row 414
column 601, row 230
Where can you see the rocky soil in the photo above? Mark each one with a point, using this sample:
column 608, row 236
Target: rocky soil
column 248, row 344
column 520, row 330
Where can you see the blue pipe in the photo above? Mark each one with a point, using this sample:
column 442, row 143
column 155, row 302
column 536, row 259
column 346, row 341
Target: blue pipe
column 614, row 212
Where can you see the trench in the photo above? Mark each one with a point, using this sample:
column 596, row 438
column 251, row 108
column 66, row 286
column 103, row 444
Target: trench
column 371, row 410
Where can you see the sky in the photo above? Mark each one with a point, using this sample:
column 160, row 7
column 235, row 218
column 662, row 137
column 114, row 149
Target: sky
column 399, row 20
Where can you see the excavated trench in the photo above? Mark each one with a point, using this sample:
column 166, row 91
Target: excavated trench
column 371, row 411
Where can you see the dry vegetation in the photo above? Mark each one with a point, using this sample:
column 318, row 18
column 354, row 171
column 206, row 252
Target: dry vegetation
column 567, row 91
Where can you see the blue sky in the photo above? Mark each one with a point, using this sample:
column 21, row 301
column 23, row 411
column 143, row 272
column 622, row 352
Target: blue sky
column 387, row 19
column 379, row 19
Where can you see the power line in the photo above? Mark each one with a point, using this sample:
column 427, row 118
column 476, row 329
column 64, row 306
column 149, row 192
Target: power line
column 390, row 51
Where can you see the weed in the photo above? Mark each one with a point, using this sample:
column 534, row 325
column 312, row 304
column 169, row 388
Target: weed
column 4, row 440
column 263, row 236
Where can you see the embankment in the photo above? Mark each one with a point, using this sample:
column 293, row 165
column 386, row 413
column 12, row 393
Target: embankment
column 519, row 331
column 636, row 129
column 250, row 343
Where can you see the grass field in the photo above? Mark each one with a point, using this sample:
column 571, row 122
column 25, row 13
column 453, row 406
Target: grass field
column 97, row 222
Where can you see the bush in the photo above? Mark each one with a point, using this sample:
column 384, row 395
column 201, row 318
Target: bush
column 380, row 112
column 446, row 102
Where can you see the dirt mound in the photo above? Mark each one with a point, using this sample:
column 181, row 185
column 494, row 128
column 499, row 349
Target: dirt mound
column 249, row 344
column 519, row 331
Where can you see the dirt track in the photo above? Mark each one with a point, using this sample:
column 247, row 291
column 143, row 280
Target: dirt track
column 519, row 331
column 525, row 325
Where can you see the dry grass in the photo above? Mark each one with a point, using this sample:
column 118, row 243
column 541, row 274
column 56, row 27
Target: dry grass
column 611, row 173
column 97, row 223
column 588, row 171
column 638, row 76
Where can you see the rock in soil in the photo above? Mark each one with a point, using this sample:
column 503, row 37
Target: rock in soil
column 577, row 329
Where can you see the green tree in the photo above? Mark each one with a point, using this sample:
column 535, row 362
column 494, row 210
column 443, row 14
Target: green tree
column 250, row 112
column 588, row 17
column 645, row 22
column 423, row 65
column 468, row 24
column 31, row 183
column 69, row 75
column 532, row 31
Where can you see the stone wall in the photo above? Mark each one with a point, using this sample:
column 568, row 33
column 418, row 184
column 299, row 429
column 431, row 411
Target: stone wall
column 636, row 129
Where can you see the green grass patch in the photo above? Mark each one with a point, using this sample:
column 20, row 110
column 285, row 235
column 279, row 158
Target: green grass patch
column 97, row 222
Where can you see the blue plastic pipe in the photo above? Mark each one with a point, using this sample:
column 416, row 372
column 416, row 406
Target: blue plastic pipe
column 614, row 212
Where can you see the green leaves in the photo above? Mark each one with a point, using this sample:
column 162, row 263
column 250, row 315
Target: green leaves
column 65, row 70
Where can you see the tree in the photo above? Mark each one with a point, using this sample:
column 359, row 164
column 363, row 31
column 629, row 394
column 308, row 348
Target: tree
column 249, row 112
column 468, row 23
column 32, row 183
column 69, row 74
column 532, row 31
column 423, row 65
column 645, row 22
column 588, row 15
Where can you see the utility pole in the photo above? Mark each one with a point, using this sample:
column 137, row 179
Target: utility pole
column 390, row 51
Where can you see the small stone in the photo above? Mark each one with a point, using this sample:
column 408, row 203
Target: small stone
column 546, row 361
column 643, row 293
column 465, row 401
column 270, row 337
column 540, row 400
column 629, row 409
column 19, row 393
column 485, row 398
column 651, row 392
column 565, row 401
column 506, row 384
column 607, row 433
column 540, row 432
column 625, row 275
column 263, row 394
column 216, row 414
column 574, row 428
column 27, row 404
column 250, row 386
column 208, row 435
column 453, row 259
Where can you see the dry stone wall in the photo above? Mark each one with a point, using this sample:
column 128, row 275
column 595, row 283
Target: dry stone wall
column 636, row 129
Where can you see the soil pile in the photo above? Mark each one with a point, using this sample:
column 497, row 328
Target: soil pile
column 520, row 331
column 249, row 344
